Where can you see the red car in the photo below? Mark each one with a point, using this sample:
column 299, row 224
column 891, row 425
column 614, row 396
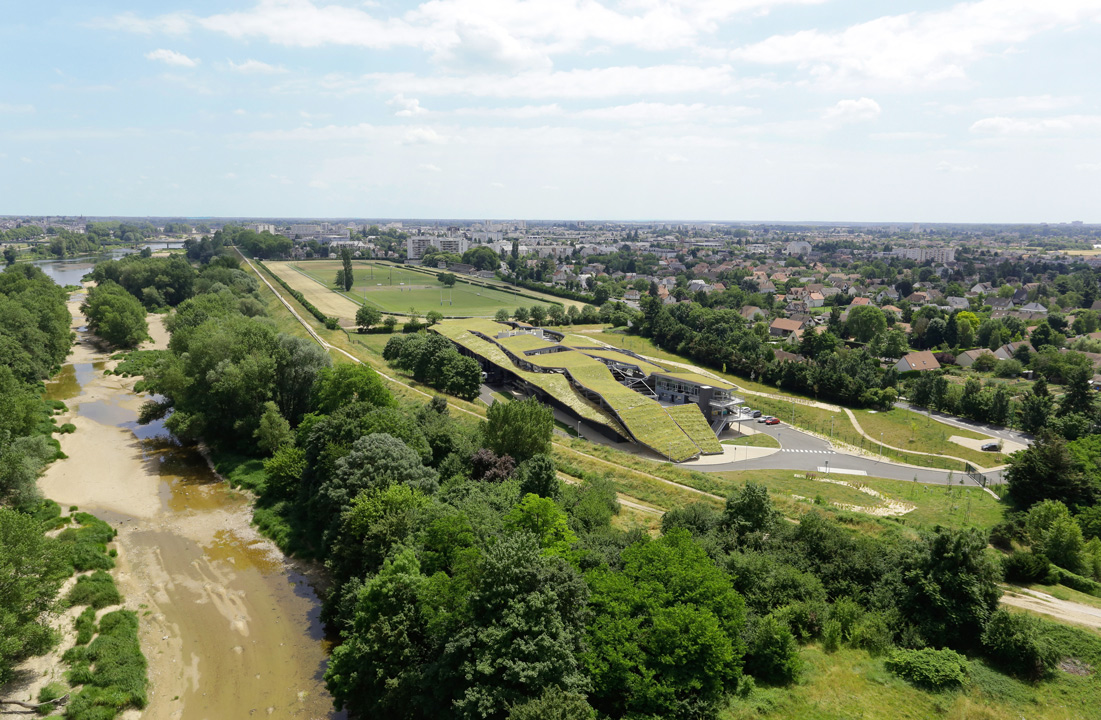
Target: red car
column 772, row 421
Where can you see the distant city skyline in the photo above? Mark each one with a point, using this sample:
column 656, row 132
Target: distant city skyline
column 831, row 111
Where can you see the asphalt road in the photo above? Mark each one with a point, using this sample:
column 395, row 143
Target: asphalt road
column 993, row 430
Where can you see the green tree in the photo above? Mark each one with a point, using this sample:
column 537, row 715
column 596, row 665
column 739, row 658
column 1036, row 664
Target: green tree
column 544, row 519
column 865, row 322
column 346, row 261
column 501, row 315
column 554, row 704
column 538, row 315
column 523, row 633
column 366, row 317
column 519, row 429
column 749, row 511
column 32, row 568
column 447, row 279
column 539, row 476
column 951, row 587
column 433, row 317
column 347, row 383
column 665, row 635
column 338, row 282
column 1079, row 396
column 10, row 255
column 1047, row 469
column 115, row 315
column 274, row 431
column 379, row 670
column 1036, row 407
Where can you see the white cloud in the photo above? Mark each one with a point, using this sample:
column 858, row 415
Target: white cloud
column 256, row 67
column 907, row 135
column 1013, row 105
column 1015, row 126
column 422, row 136
column 430, row 167
column 946, row 167
column 171, row 57
column 862, row 110
column 9, row 109
column 589, row 83
column 525, row 112
column 501, row 33
column 918, row 48
column 239, row 111
column 675, row 158
column 1088, row 167
column 405, row 107
column 648, row 113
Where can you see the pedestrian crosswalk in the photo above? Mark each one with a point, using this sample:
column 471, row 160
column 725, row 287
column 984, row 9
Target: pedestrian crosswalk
column 816, row 452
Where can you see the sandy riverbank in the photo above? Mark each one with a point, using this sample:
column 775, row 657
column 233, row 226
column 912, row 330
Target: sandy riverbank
column 230, row 628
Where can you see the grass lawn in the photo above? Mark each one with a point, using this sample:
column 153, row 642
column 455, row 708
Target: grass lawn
column 397, row 290
column 323, row 297
column 852, row 684
column 933, row 504
column 758, row 440
column 912, row 430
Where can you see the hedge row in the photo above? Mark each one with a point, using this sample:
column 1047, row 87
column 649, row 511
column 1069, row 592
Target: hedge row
column 552, row 290
column 330, row 323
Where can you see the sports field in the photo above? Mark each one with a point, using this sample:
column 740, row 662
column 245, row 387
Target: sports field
column 397, row 290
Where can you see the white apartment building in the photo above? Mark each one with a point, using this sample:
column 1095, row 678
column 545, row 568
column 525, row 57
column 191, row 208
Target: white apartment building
column 924, row 254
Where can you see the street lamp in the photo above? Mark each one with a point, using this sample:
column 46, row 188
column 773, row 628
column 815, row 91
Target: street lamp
column 578, row 428
column 827, row 467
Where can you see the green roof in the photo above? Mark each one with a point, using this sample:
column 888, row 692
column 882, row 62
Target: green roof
column 695, row 379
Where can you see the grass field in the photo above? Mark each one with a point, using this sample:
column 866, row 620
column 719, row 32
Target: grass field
column 757, row 440
column 398, row 290
column 911, row 430
column 324, row 298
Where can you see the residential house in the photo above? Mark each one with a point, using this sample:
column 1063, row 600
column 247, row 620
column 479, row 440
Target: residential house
column 1005, row 352
column 815, row 299
column 917, row 298
column 1000, row 303
column 860, row 301
column 1034, row 307
column 785, row 328
column 752, row 312
column 917, row 362
column 966, row 359
column 957, row 303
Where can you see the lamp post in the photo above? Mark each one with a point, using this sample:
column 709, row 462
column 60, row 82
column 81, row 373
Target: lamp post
column 578, row 428
column 827, row 467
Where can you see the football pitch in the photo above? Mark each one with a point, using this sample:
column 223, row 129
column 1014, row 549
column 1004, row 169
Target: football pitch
column 397, row 290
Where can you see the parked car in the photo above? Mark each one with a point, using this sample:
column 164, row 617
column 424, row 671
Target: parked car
column 991, row 447
column 755, row 413
column 764, row 418
column 746, row 410
column 772, row 421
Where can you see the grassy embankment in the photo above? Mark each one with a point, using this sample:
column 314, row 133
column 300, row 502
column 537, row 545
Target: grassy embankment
column 851, row 683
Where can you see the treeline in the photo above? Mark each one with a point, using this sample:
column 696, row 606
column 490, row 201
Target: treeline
column 35, row 337
column 433, row 360
column 720, row 338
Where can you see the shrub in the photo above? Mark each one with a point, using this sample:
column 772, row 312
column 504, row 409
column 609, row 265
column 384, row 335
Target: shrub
column 1017, row 643
column 805, row 618
column 97, row 590
column 929, row 668
column 831, row 636
column 772, row 653
column 66, row 429
column 112, row 670
column 847, row 613
column 85, row 625
column 1025, row 567
column 873, row 633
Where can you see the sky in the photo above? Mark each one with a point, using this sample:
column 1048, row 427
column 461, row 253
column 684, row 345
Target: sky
column 707, row 110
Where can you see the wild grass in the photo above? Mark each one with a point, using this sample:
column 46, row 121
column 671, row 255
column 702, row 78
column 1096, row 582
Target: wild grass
column 112, row 670
column 97, row 590
column 85, row 625
column 88, row 542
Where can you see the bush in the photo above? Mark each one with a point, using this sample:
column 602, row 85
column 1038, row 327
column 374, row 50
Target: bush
column 1007, row 368
column 805, row 618
column 112, row 670
column 831, row 636
column 1017, row 643
column 929, row 668
column 1025, row 567
column 85, row 625
column 772, row 653
column 97, row 590
column 847, row 613
column 874, row 633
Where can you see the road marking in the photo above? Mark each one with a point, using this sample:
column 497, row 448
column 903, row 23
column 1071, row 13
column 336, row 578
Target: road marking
column 818, row 452
column 840, row 471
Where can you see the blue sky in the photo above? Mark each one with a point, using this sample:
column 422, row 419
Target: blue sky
column 985, row 111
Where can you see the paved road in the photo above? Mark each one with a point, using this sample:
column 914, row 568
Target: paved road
column 993, row 430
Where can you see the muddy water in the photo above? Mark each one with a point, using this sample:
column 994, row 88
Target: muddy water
column 229, row 626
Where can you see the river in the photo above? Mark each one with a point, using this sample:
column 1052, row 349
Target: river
column 230, row 627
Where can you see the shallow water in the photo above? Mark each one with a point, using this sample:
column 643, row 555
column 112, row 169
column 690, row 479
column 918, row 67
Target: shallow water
column 230, row 627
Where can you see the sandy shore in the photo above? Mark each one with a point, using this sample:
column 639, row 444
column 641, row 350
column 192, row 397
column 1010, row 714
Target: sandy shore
column 229, row 627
